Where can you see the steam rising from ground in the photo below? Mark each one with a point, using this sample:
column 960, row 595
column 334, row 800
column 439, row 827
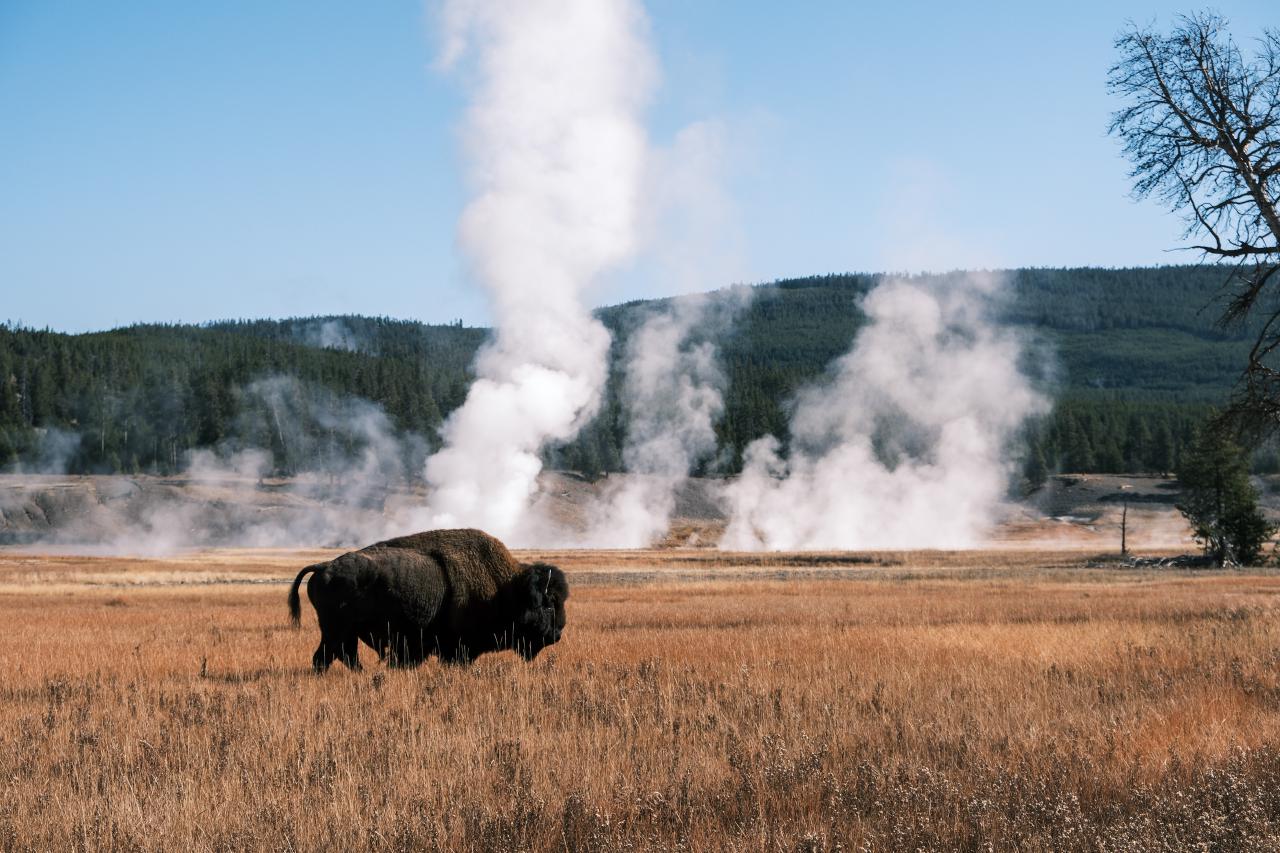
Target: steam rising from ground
column 328, row 334
column 349, row 481
column 905, row 444
column 53, row 452
column 673, row 395
column 557, row 155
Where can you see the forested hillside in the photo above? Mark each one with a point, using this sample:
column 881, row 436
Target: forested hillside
column 1135, row 362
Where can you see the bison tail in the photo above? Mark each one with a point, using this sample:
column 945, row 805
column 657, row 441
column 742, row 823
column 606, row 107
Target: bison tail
column 295, row 602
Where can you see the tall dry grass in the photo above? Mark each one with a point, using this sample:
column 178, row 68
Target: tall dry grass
column 1013, row 707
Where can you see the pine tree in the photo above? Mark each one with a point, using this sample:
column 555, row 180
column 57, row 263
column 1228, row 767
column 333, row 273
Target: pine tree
column 1076, row 446
column 1035, row 469
column 1137, row 443
column 1220, row 502
column 1160, row 459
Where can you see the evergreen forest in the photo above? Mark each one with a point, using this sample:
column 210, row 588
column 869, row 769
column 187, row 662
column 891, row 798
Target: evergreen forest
column 1132, row 357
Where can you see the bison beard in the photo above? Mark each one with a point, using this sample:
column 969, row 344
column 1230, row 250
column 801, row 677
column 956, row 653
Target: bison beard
column 452, row 593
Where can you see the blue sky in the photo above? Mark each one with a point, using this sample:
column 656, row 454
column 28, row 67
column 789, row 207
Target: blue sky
column 166, row 161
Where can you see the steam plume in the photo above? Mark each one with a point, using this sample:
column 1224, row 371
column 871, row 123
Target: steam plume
column 672, row 393
column 557, row 154
column 346, row 482
column 904, row 445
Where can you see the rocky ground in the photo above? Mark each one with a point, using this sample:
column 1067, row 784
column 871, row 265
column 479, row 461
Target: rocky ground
column 144, row 513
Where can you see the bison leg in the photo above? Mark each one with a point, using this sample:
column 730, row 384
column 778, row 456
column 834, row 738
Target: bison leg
column 322, row 658
column 453, row 651
column 349, row 652
column 332, row 648
column 377, row 642
column 406, row 649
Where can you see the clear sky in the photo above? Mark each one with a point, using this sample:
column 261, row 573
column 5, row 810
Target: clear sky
column 165, row 161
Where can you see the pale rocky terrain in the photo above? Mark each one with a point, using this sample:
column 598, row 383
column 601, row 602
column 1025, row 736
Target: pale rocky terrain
column 145, row 514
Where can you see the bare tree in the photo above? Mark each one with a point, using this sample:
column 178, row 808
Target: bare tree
column 1201, row 126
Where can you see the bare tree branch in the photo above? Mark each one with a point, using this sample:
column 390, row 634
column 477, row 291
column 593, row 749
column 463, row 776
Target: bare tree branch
column 1201, row 126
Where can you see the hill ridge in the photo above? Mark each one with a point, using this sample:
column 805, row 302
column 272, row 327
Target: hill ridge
column 1137, row 357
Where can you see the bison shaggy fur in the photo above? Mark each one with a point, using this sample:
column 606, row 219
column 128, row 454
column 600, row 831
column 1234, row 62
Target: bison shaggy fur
column 452, row 593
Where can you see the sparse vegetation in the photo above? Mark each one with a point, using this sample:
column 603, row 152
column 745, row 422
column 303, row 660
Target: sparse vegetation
column 896, row 702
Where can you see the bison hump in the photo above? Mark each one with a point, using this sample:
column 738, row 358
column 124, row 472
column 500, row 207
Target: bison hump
column 474, row 564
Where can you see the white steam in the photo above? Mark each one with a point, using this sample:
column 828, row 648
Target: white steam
column 904, row 445
column 54, row 450
column 692, row 234
column 346, row 468
column 301, row 467
column 672, row 396
column 328, row 334
column 557, row 155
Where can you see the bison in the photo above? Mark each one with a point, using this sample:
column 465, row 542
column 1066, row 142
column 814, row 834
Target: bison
column 452, row 593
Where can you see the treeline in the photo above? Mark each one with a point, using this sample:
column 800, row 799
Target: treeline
column 1132, row 357
column 1111, row 438
column 139, row 399
column 1131, row 354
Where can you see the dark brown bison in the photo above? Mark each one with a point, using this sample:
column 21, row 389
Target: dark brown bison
column 452, row 593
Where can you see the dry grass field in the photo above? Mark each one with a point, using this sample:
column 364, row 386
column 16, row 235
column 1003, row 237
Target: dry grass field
column 699, row 701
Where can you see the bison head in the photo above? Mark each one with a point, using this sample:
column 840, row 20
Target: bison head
column 540, row 605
